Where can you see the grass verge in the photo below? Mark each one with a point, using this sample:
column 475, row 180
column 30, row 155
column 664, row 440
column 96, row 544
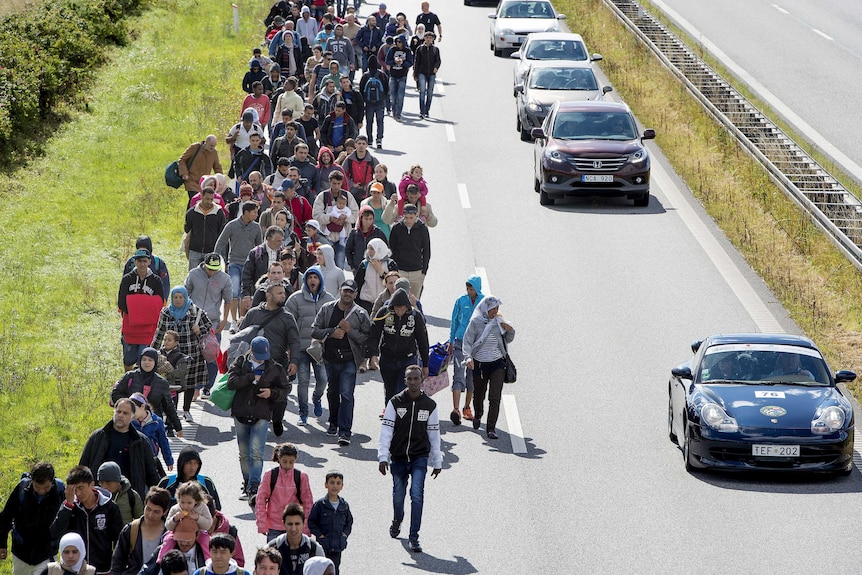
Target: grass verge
column 69, row 221
column 819, row 287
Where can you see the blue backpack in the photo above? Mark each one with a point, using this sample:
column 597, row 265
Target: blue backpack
column 373, row 90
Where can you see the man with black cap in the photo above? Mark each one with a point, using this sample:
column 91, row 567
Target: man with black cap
column 344, row 327
column 140, row 300
column 157, row 264
column 260, row 383
column 410, row 243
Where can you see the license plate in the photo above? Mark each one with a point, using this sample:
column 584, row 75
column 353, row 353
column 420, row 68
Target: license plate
column 761, row 450
column 602, row 178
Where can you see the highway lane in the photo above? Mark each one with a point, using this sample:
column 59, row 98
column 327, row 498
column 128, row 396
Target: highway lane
column 606, row 298
column 802, row 52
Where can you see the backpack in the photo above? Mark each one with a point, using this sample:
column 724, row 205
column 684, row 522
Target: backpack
column 373, row 93
column 26, row 480
column 273, row 479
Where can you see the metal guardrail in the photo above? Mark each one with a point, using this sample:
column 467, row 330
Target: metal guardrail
column 831, row 206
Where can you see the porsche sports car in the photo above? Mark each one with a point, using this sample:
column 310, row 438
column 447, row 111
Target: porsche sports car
column 760, row 402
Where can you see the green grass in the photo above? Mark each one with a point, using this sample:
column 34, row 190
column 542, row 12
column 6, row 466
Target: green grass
column 819, row 287
column 69, row 220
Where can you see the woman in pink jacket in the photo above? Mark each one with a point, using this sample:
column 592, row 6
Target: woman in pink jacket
column 274, row 494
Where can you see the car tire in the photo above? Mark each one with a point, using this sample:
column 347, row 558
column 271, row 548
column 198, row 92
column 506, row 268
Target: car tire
column 537, row 185
column 670, row 434
column 517, row 121
column 642, row 201
column 468, row 2
column 545, row 199
column 845, row 472
column 686, row 452
column 525, row 135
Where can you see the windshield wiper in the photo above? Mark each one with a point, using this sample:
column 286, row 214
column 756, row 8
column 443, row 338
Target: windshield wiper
column 736, row 381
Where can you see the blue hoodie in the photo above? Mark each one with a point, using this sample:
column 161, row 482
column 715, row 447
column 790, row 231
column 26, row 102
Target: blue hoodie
column 464, row 309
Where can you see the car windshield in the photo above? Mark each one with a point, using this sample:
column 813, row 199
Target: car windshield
column 556, row 50
column 764, row 365
column 563, row 79
column 594, row 126
column 526, row 10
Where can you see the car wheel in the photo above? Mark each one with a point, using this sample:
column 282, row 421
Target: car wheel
column 642, row 201
column 846, row 472
column 517, row 121
column 468, row 2
column 525, row 135
column 497, row 52
column 671, row 435
column 686, row 452
column 545, row 199
column 537, row 185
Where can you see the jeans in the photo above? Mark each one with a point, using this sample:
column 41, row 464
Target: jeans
column 304, row 365
column 365, row 57
column 392, row 372
column 416, row 471
column 462, row 377
column 339, row 248
column 341, row 7
column 251, row 439
column 396, row 94
column 426, row 92
column 195, row 259
column 131, row 351
column 488, row 377
column 378, row 112
column 235, row 272
column 339, row 393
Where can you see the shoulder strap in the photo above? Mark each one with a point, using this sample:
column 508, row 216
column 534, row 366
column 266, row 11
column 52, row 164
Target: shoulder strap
column 130, row 493
column 201, row 145
column 273, row 479
column 297, row 479
column 134, row 528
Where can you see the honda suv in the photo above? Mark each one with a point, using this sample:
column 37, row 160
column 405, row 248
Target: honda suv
column 591, row 149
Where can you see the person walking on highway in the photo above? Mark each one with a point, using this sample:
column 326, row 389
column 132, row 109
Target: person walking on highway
column 462, row 378
column 485, row 349
column 409, row 442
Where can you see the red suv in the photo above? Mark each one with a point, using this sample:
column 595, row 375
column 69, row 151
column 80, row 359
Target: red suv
column 591, row 149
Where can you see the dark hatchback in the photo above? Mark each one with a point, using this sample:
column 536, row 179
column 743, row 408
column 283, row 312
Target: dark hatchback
column 760, row 402
column 591, row 149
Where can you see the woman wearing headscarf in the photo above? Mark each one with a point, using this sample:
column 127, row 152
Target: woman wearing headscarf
column 333, row 276
column 369, row 277
column 484, row 348
column 72, row 562
column 357, row 241
column 318, row 566
column 154, row 387
column 192, row 324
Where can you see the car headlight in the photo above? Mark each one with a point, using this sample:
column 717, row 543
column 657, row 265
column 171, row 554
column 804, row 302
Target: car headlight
column 715, row 417
column 553, row 28
column 534, row 106
column 830, row 420
column 555, row 156
column 506, row 32
column 640, row 157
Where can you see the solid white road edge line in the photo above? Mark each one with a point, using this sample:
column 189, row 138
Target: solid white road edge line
column 450, row 133
column 780, row 9
column 801, row 125
column 816, row 31
column 438, row 85
column 743, row 290
column 465, row 199
column 486, row 285
column 513, row 424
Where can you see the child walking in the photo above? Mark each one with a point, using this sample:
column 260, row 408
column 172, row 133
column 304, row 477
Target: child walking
column 278, row 487
column 330, row 520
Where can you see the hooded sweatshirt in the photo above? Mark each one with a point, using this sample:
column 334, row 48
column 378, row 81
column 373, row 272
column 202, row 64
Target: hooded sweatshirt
column 304, row 305
column 399, row 338
column 464, row 309
column 232, row 569
column 400, row 50
column 485, row 339
column 154, row 387
column 204, row 227
column 317, row 566
column 333, row 276
column 100, row 527
column 171, row 482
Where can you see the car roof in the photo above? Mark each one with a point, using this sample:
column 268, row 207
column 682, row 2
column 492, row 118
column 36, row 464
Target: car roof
column 761, row 338
column 592, row 106
column 553, row 36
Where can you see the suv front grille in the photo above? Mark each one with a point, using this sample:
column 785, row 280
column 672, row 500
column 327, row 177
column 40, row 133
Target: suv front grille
column 598, row 165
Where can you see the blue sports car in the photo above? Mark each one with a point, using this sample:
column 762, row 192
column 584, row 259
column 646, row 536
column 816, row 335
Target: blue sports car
column 760, row 402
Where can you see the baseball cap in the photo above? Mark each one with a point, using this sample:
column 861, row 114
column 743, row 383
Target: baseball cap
column 260, row 348
column 141, row 254
column 213, row 261
column 376, row 187
column 350, row 285
column 286, row 184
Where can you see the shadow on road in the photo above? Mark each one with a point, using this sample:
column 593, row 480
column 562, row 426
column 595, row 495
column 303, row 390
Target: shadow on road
column 431, row 564
column 763, row 482
column 611, row 206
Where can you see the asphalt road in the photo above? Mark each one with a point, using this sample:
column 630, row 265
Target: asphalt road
column 802, row 52
column 606, row 298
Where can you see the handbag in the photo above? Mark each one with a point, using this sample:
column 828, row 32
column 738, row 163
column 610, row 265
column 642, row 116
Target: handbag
column 172, row 172
column 209, row 343
column 220, row 395
column 434, row 383
column 315, row 350
column 511, row 371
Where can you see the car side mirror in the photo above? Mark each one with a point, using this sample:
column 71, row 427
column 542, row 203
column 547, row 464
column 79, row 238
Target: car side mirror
column 561, row 16
column 537, row 133
column 492, row 16
column 516, row 55
column 607, row 89
column 595, row 57
column 682, row 372
column 519, row 89
column 695, row 345
column 844, row 376
column 649, row 134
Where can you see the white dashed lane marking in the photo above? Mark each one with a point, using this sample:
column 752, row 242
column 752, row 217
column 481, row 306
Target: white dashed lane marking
column 465, row 199
column 513, row 423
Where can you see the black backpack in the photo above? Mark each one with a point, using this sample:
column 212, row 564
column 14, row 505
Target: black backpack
column 273, row 479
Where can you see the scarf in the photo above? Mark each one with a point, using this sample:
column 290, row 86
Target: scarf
column 179, row 313
column 76, row 541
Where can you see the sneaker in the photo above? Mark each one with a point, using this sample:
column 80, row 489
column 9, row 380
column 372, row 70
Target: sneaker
column 332, row 431
column 421, row 116
column 343, row 440
column 233, row 327
column 318, row 409
column 455, row 417
column 414, row 546
column 303, row 420
column 243, row 496
column 492, row 434
column 188, row 417
column 205, row 394
column 395, row 529
column 278, row 427
column 467, row 414
column 170, row 432
column 477, row 421
column 379, row 144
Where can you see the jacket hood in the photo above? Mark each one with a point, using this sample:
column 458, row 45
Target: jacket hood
column 487, row 303
column 381, row 250
column 402, row 38
column 146, row 243
column 317, row 566
column 324, row 149
column 305, row 290
column 328, row 255
column 400, row 297
column 254, row 63
column 476, row 282
column 232, row 566
column 187, row 454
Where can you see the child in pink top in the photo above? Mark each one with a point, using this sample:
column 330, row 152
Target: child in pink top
column 413, row 176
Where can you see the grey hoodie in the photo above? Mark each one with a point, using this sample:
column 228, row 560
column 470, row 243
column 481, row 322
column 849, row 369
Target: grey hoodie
column 209, row 293
column 305, row 305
